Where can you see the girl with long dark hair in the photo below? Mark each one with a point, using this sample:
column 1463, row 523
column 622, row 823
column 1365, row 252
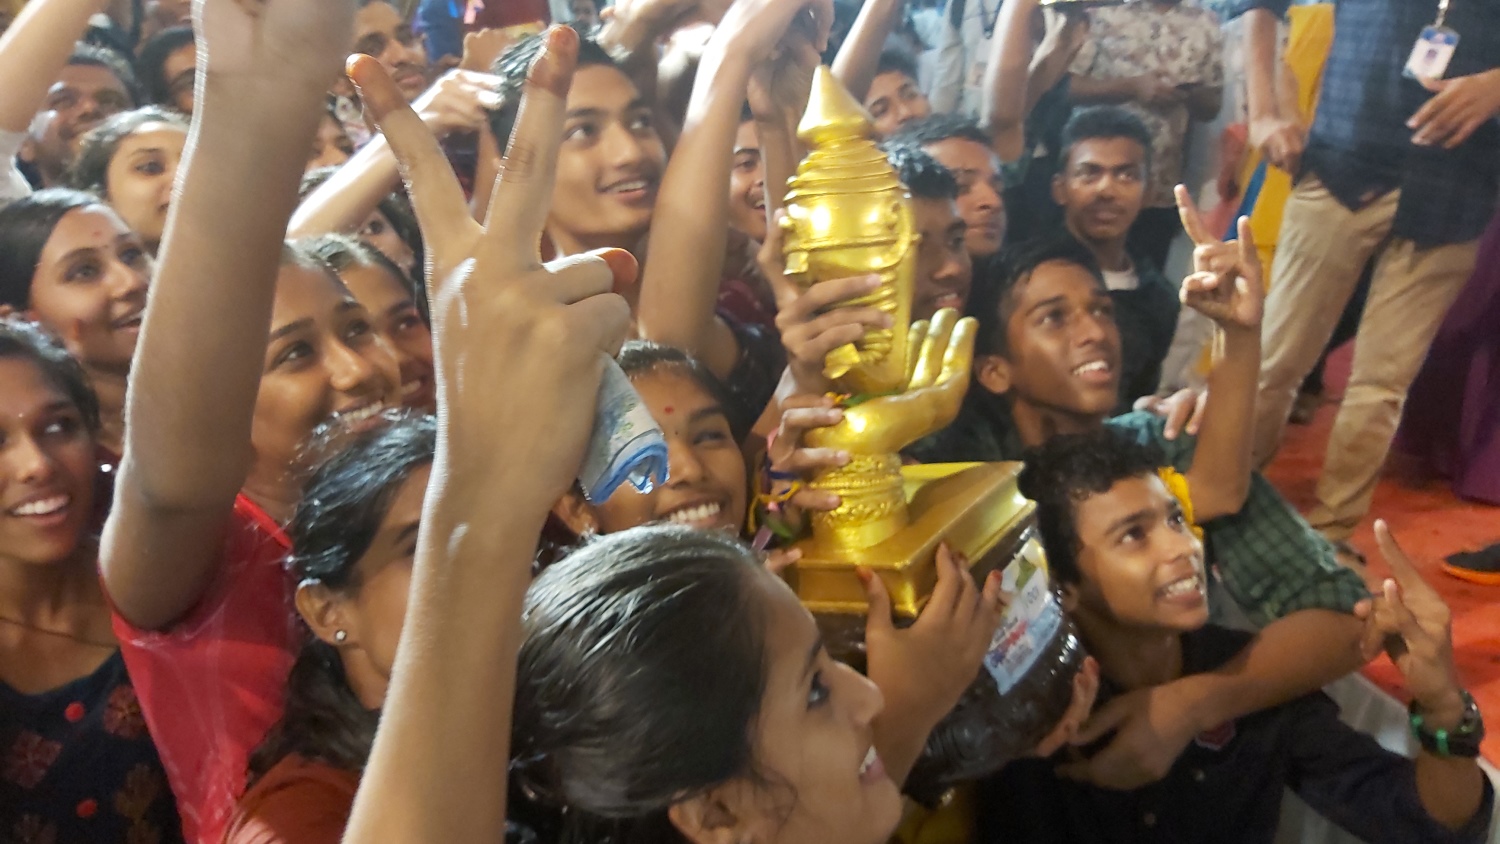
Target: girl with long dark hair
column 80, row 764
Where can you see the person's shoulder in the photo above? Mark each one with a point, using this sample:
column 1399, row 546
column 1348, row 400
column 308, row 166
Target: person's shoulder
column 1142, row 426
column 295, row 794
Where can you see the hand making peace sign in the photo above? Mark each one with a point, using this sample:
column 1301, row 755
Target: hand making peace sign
column 520, row 345
column 1227, row 284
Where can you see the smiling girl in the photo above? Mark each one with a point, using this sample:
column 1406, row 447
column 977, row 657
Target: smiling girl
column 80, row 765
column 69, row 262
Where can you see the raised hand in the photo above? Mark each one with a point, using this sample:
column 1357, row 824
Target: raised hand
column 460, row 101
column 1410, row 623
column 1226, row 285
column 779, row 86
column 757, row 27
column 520, row 345
column 482, row 48
column 1462, row 105
column 273, row 41
column 631, row 26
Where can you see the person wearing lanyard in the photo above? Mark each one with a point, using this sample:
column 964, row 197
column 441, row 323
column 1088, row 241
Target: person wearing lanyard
column 1401, row 164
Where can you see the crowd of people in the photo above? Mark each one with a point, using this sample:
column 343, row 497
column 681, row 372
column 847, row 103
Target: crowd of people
column 304, row 312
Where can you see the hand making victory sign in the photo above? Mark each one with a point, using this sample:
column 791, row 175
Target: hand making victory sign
column 505, row 324
column 1226, row 284
column 520, row 348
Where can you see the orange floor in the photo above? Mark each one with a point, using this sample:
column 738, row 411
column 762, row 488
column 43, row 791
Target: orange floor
column 1430, row 522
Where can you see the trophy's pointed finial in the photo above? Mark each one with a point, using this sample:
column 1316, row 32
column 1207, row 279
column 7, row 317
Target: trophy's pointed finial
column 832, row 113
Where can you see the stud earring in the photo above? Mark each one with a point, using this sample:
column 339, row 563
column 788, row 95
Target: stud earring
column 339, row 636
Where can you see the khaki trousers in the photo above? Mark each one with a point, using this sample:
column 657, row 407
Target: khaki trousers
column 1323, row 248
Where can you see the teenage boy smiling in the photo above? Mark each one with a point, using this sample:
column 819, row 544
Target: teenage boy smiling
column 1047, row 363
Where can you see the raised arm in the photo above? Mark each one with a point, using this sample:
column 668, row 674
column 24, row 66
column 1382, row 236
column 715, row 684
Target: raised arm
column 1016, row 77
column 859, row 56
column 34, row 50
column 1006, row 104
column 691, row 220
column 455, row 103
column 1226, row 287
column 187, row 421
column 505, row 326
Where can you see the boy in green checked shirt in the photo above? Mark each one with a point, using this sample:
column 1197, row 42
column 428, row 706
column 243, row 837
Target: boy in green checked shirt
column 1048, row 346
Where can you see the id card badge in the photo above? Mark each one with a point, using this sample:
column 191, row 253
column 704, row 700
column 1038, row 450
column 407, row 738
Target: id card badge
column 1433, row 50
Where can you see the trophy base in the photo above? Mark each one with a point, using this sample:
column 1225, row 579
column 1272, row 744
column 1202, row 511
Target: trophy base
column 976, row 507
column 1025, row 686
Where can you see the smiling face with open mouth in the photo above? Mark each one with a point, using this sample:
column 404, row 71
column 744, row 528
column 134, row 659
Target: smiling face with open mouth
column 1140, row 563
column 1062, row 356
column 747, row 184
column 90, row 287
column 707, row 487
column 814, row 733
column 608, row 167
column 394, row 314
column 47, row 466
column 325, row 364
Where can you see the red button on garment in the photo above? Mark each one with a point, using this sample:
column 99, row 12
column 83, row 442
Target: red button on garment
column 88, row 808
column 74, row 713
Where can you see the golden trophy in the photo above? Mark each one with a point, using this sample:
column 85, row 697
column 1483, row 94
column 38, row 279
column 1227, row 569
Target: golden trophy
column 847, row 214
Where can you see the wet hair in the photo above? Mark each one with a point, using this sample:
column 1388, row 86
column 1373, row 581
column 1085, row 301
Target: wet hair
column 355, row 479
column 340, row 252
column 150, row 66
column 512, row 67
column 394, row 206
column 920, row 172
column 24, row 340
column 25, row 227
column 1069, row 469
column 993, row 302
column 93, row 55
column 639, row 681
column 1106, row 122
column 91, row 171
column 941, row 127
column 896, row 60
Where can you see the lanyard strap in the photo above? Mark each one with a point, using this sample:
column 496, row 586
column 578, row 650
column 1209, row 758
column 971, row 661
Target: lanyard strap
column 1442, row 13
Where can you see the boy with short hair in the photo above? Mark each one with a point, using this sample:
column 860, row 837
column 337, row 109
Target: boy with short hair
column 1122, row 549
column 1047, row 363
column 895, row 99
column 1105, row 164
